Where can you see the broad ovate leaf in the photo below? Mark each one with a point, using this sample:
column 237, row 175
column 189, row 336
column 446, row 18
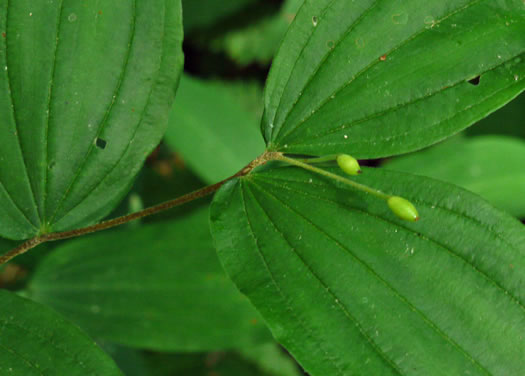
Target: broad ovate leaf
column 211, row 128
column 85, row 91
column 491, row 166
column 348, row 288
column 158, row 287
column 375, row 78
column 35, row 340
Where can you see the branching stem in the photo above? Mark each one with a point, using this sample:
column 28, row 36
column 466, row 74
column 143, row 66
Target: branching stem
column 32, row 243
column 353, row 184
column 264, row 158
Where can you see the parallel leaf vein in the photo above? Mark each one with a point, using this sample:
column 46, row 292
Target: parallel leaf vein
column 280, row 291
column 48, row 112
column 333, row 296
column 368, row 67
column 104, row 122
column 24, row 359
column 14, row 118
column 403, row 299
column 483, row 274
column 324, row 10
column 153, row 86
column 408, row 103
column 47, row 340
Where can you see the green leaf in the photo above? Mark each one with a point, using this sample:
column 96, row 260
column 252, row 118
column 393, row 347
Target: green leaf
column 215, row 134
column 350, row 289
column 131, row 361
column 506, row 121
column 84, row 97
column 34, row 340
column 490, row 166
column 270, row 360
column 157, row 287
column 377, row 78
column 161, row 180
column 259, row 41
column 204, row 13
column 6, row 245
column 264, row 360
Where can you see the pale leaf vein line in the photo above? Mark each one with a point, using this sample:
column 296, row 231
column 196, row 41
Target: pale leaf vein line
column 327, row 7
column 13, row 114
column 399, row 106
column 114, row 98
column 279, row 290
column 153, row 86
column 48, row 112
column 483, row 274
column 370, row 66
column 427, row 320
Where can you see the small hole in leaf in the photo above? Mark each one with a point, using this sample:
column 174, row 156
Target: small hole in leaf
column 101, row 144
column 475, row 81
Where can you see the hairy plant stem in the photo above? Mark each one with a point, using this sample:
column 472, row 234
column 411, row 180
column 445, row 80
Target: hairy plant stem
column 353, row 184
column 32, row 243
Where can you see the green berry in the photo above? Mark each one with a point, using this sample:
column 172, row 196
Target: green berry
column 403, row 208
column 348, row 164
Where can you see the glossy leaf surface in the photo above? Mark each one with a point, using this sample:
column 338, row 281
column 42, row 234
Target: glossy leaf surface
column 215, row 133
column 350, row 289
column 85, row 90
column 34, row 340
column 375, row 78
column 156, row 287
column 490, row 166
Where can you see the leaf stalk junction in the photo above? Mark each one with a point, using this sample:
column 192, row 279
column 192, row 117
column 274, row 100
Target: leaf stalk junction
column 399, row 206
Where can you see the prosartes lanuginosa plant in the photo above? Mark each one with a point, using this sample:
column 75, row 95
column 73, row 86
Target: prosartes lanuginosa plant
column 354, row 270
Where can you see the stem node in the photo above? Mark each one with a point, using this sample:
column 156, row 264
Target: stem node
column 32, row 243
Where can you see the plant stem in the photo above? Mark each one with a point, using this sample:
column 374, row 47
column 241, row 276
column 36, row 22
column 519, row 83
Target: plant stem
column 353, row 184
column 326, row 158
column 32, row 243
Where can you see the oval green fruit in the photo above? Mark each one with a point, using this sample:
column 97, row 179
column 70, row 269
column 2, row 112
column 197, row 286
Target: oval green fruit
column 403, row 208
column 348, row 164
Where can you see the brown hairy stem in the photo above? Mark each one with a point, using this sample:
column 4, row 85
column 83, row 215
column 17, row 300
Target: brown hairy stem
column 32, row 243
